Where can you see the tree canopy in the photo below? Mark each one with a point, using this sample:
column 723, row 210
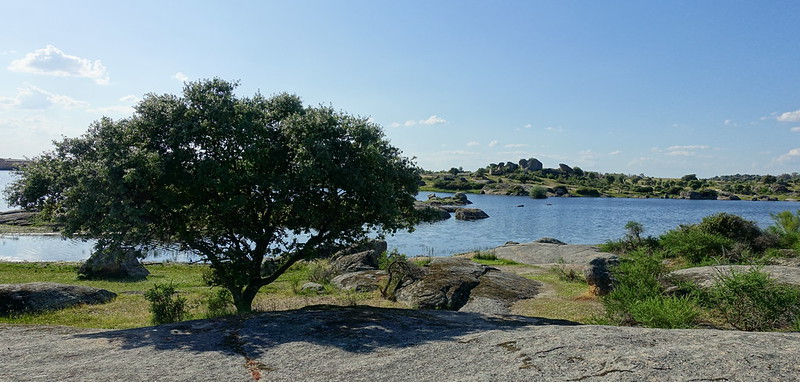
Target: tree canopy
column 250, row 184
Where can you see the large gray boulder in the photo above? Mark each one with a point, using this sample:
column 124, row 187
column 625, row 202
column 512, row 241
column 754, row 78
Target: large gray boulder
column 470, row 214
column 705, row 277
column 40, row 296
column 358, row 257
column 112, row 262
column 598, row 274
column 460, row 284
column 361, row 281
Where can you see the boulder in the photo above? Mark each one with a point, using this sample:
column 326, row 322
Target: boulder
column 565, row 169
column 705, row 277
column 598, row 274
column 429, row 213
column 362, row 281
column 458, row 199
column 470, row 214
column 312, row 287
column 550, row 240
column 460, row 284
column 114, row 262
column 40, row 296
column 531, row 164
column 358, row 257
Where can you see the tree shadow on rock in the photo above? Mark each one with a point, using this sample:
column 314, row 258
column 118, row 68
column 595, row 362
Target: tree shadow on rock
column 352, row 329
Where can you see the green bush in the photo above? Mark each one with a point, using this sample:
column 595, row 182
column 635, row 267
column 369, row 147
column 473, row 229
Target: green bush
column 320, row 272
column 165, row 304
column 730, row 226
column 489, row 256
column 538, row 192
column 787, row 228
column 755, row 302
column 636, row 278
column 590, row 192
column 667, row 312
column 695, row 245
column 219, row 303
column 387, row 258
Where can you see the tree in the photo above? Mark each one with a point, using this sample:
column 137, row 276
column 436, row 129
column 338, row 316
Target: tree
column 252, row 185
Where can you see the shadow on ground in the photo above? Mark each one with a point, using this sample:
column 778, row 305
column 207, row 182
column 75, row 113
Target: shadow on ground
column 353, row 329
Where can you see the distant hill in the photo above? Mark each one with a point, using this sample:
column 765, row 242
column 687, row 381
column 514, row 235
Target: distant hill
column 11, row 164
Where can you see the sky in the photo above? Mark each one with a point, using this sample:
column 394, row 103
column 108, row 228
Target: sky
column 661, row 88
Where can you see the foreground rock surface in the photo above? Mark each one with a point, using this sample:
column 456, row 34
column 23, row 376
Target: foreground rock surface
column 368, row 344
column 38, row 297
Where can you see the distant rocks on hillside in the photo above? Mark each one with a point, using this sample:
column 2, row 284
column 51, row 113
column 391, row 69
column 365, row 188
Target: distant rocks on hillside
column 8, row 164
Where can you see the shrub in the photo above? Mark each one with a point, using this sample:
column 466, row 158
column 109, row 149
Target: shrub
column 320, row 272
column 165, row 304
column 219, row 303
column 488, row 256
column 730, row 226
column 636, row 278
column 755, row 302
column 538, row 192
column 667, row 312
column 694, row 244
column 787, row 228
column 387, row 258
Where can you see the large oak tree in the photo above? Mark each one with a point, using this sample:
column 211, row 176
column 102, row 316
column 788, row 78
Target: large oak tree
column 250, row 184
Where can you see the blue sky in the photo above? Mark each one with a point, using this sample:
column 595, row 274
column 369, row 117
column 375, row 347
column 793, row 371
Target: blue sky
column 653, row 87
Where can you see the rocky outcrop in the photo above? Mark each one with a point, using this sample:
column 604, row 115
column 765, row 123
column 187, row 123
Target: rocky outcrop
column 705, row 277
column 470, row 214
column 458, row 199
column 362, row 281
column 17, row 217
column 359, row 257
column 454, row 283
column 565, row 169
column 429, row 213
column 549, row 240
column 114, row 263
column 39, row 297
column 544, row 253
column 531, row 164
column 598, row 274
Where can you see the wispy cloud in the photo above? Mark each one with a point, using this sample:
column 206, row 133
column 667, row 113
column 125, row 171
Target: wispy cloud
column 528, row 126
column 795, row 129
column 180, row 77
column 790, row 116
column 472, row 143
column 51, row 61
column 515, row 145
column 433, row 120
column 31, row 97
column 792, row 155
column 615, row 152
column 681, row 150
column 493, row 143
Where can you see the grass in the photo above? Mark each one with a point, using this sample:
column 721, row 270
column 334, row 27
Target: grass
column 569, row 300
column 131, row 310
column 6, row 229
column 489, row 258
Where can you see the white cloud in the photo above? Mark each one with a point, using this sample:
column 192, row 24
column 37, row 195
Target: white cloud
column 727, row 122
column 180, row 77
column 433, row 120
column 528, row 126
column 409, row 123
column 130, row 99
column 680, row 153
column 51, row 61
column 472, row 143
column 31, row 97
column 395, row 124
column 790, row 116
column 796, row 129
column 615, row 152
column 556, row 129
column 793, row 154
column 515, row 145
column 689, row 147
column 493, row 143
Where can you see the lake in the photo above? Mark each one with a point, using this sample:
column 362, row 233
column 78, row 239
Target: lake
column 572, row 220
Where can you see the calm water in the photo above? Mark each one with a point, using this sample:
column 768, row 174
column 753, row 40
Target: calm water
column 572, row 220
